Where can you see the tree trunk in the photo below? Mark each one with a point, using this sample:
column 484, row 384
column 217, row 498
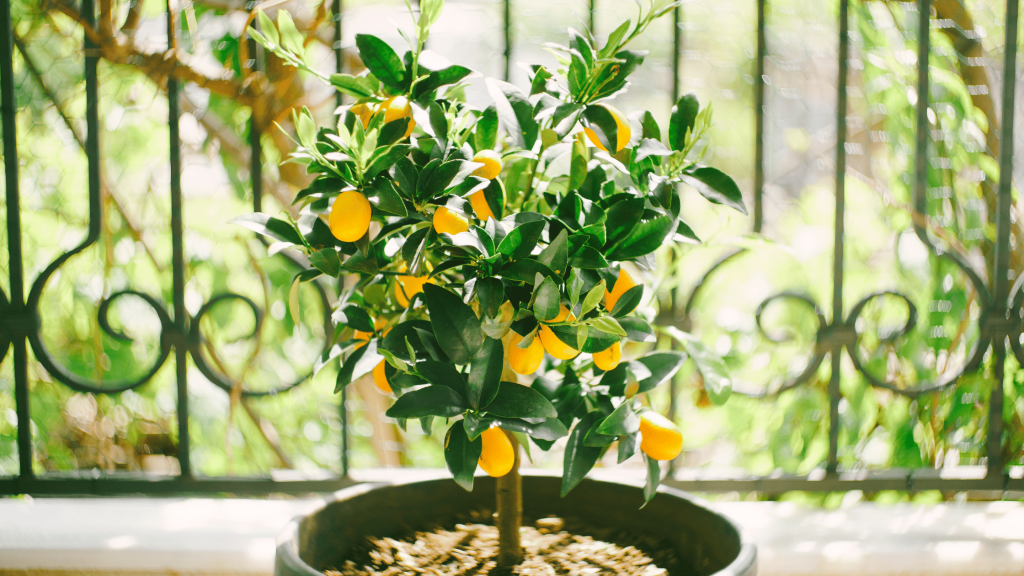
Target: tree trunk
column 510, row 511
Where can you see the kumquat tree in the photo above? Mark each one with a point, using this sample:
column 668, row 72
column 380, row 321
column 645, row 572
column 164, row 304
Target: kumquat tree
column 471, row 265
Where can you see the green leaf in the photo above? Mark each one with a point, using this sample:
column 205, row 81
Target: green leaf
column 555, row 254
column 663, row 365
column 627, row 446
column 547, row 302
column 442, row 374
column 684, row 116
column 609, row 325
column 717, row 186
column 644, row 238
column 588, row 258
column 522, row 239
column 517, row 401
column 650, row 126
column 360, row 363
column 515, row 113
column 486, row 134
column 384, row 197
column 547, row 429
column 485, row 370
column 601, row 121
column 439, row 78
column 382, row 61
column 291, row 39
column 574, row 285
column 474, row 425
column 623, row 216
column 491, row 293
column 462, row 454
column 526, row 270
column 439, row 123
column 428, row 401
column 614, row 39
column 355, row 86
column 271, row 227
column 579, row 458
column 593, row 298
column 620, row 422
column 628, row 301
column 717, row 383
column 637, row 329
column 684, row 230
column 653, row 479
column 454, row 323
column 326, row 261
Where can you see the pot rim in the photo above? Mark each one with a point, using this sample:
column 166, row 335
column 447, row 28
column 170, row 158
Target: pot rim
column 745, row 563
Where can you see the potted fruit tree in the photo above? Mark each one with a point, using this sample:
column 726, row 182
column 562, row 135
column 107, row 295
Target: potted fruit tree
column 491, row 257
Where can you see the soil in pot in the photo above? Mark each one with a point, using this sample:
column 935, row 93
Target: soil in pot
column 552, row 546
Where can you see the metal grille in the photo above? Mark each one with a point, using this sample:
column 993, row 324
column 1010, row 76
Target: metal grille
column 771, row 60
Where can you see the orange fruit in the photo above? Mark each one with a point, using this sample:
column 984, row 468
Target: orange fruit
column 622, row 129
column 622, row 284
column 480, row 207
column 608, row 359
column 550, row 341
column 524, row 361
column 497, row 456
column 396, row 108
column 350, row 216
column 491, row 161
column 380, row 379
column 408, row 286
column 661, row 437
column 450, row 221
column 363, row 111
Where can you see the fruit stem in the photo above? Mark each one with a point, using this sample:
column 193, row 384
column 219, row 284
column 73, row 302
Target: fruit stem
column 510, row 511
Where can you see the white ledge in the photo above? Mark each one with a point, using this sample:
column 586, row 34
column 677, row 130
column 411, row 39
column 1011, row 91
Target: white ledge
column 150, row 536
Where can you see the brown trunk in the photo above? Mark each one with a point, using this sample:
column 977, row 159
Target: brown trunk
column 510, row 511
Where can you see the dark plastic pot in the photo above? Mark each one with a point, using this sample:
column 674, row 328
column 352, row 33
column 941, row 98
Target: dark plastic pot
column 321, row 539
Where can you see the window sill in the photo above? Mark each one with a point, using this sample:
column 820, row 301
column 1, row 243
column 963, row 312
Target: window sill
column 150, row 536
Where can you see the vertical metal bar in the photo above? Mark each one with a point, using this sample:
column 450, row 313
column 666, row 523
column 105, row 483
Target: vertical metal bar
column 15, row 265
column 178, row 263
column 507, row 21
column 759, row 86
column 837, row 263
column 339, row 67
column 256, row 147
column 590, row 17
column 677, row 47
column 1001, row 286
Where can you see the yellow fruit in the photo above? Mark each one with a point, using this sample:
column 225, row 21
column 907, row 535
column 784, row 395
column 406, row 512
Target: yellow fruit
column 363, row 112
column 480, row 207
column 554, row 346
column 608, row 359
column 563, row 315
column 380, row 379
column 491, row 161
column 396, row 108
column 661, row 438
column 450, row 221
column 377, row 325
column 350, row 216
column 524, row 361
column 408, row 286
column 621, row 127
column 622, row 284
column 497, row 456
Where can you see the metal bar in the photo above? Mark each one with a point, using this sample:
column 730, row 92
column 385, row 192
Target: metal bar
column 1001, row 287
column 759, row 86
column 677, row 47
column 837, row 263
column 339, row 67
column 15, row 266
column 178, row 263
column 591, row 23
column 507, row 22
column 105, row 485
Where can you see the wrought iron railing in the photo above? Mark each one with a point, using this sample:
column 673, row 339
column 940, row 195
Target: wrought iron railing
column 1000, row 322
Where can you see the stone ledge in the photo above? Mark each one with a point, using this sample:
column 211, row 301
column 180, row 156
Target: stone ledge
column 232, row 537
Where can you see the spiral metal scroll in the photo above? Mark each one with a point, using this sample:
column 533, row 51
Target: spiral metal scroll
column 170, row 334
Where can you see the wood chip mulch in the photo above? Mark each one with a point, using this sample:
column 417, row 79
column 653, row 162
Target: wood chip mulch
column 551, row 547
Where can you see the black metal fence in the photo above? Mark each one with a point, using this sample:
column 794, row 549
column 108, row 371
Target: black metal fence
column 1001, row 299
